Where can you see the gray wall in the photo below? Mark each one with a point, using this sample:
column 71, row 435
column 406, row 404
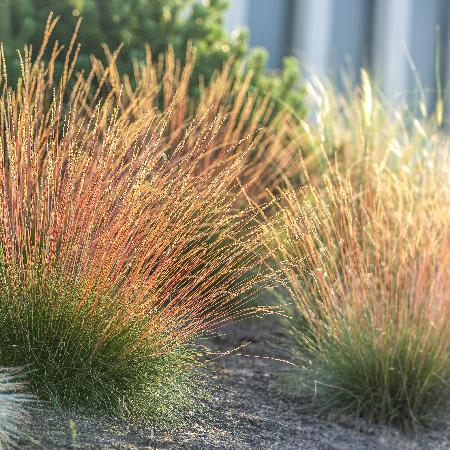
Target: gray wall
column 269, row 22
column 336, row 36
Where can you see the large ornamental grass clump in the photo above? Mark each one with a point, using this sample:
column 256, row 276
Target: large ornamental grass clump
column 118, row 250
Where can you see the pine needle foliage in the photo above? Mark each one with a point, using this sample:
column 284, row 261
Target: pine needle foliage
column 160, row 23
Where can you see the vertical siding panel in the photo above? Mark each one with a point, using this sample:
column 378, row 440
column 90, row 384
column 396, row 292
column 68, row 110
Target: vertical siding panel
column 237, row 15
column 311, row 32
column 391, row 33
column 269, row 25
column 328, row 34
column 427, row 18
column 446, row 63
column 351, row 37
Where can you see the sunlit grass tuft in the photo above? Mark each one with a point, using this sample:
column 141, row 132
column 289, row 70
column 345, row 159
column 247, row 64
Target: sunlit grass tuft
column 363, row 251
column 117, row 249
column 368, row 273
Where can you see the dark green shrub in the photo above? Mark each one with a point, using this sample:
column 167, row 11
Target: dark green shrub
column 134, row 23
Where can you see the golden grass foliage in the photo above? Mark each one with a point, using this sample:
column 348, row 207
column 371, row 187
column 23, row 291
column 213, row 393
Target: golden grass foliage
column 365, row 134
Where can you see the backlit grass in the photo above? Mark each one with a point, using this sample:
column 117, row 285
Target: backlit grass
column 363, row 251
column 117, row 250
column 368, row 273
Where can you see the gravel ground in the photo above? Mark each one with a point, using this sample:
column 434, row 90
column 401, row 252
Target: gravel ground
column 246, row 412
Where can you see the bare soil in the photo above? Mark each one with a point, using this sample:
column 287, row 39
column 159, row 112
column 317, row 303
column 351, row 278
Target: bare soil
column 245, row 412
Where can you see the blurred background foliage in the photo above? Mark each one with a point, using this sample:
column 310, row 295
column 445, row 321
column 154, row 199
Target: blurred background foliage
column 160, row 23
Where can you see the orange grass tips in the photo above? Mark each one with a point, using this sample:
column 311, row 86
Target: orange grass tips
column 381, row 254
column 107, row 205
column 228, row 101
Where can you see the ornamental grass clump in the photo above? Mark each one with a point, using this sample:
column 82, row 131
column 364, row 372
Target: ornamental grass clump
column 363, row 251
column 117, row 252
column 368, row 274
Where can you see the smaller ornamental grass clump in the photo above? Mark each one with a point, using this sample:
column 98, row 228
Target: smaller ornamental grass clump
column 368, row 273
column 118, row 251
column 363, row 251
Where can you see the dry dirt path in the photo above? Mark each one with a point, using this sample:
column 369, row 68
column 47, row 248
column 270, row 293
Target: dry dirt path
column 245, row 412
